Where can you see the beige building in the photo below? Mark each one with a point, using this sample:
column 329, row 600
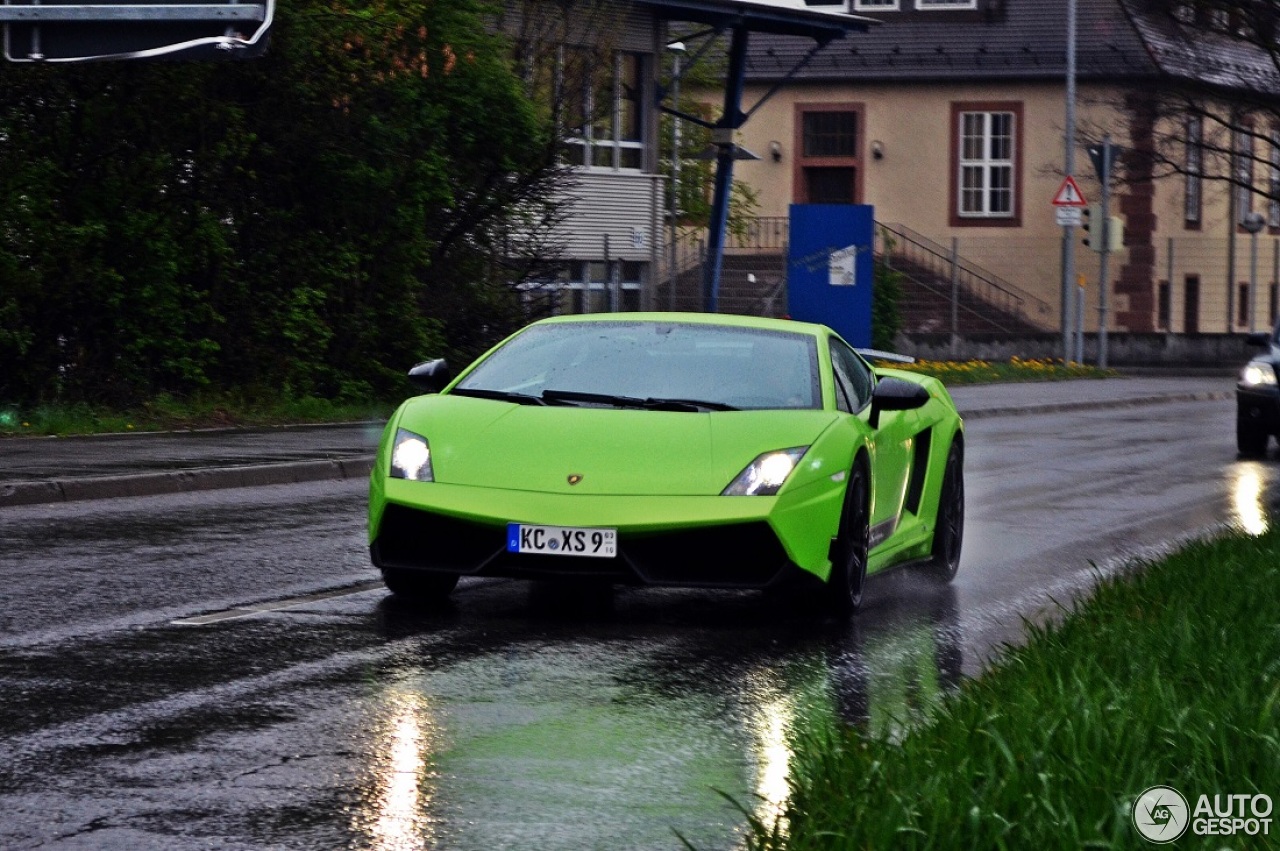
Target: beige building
column 950, row 119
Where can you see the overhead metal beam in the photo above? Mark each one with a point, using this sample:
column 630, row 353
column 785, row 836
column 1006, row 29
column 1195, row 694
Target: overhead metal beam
column 173, row 12
column 740, row 18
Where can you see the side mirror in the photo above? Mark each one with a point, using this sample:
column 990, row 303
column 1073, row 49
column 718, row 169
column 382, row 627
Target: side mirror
column 431, row 376
column 894, row 394
column 1261, row 340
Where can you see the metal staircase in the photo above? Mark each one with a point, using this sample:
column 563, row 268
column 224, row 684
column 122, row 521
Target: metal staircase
column 940, row 293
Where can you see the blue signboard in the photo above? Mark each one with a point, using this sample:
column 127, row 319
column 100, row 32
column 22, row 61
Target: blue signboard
column 829, row 267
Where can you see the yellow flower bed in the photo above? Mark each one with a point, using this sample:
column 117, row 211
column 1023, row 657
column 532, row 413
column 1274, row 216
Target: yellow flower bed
column 1014, row 369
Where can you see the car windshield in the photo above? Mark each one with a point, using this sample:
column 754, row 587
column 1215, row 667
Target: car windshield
column 665, row 365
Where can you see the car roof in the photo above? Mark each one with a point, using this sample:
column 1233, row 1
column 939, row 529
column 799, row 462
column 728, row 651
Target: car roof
column 720, row 319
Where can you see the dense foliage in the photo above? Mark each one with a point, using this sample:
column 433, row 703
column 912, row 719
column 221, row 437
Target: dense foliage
column 306, row 223
column 886, row 312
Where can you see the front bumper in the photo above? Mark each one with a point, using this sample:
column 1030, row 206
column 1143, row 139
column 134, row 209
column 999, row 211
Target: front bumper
column 1259, row 405
column 720, row 542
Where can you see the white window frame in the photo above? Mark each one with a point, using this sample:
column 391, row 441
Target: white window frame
column 946, row 4
column 588, row 281
column 987, row 165
column 876, row 6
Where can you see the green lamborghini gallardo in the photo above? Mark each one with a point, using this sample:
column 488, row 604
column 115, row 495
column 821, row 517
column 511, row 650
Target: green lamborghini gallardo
column 673, row 450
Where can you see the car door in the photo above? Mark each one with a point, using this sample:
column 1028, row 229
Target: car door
column 892, row 441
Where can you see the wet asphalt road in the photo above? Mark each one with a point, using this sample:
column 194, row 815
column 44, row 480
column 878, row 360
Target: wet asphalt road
column 144, row 707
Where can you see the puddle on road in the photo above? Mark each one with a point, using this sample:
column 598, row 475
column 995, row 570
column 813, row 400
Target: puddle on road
column 623, row 739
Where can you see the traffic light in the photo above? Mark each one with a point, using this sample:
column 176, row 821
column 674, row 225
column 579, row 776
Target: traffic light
column 1091, row 222
column 1101, row 230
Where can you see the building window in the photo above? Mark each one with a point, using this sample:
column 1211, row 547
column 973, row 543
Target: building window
column 829, row 142
column 1194, row 170
column 946, row 4
column 590, row 286
column 875, row 5
column 1273, row 180
column 604, row 116
column 1164, row 306
column 1242, row 310
column 830, row 134
column 985, row 154
column 1244, row 172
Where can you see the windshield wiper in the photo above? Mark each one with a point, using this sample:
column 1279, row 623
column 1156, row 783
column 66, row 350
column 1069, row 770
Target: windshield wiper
column 498, row 395
column 699, row 404
column 649, row 404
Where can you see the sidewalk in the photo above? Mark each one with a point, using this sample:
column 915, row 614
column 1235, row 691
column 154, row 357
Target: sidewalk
column 49, row 469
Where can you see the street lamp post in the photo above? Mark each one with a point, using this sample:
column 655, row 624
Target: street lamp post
column 677, row 49
column 1253, row 223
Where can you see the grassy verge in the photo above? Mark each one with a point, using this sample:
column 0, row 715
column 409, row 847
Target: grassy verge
column 1014, row 369
column 168, row 414
column 1167, row 676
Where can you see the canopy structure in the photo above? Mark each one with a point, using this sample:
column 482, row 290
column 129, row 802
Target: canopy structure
column 59, row 31
column 738, row 19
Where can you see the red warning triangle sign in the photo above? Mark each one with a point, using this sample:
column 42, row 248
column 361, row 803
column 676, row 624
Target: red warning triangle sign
column 1069, row 194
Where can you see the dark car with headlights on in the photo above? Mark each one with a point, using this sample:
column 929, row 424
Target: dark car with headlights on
column 1258, row 396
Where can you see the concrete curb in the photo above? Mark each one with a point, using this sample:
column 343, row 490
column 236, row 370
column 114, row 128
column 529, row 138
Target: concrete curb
column 1063, row 407
column 182, row 481
column 212, row 478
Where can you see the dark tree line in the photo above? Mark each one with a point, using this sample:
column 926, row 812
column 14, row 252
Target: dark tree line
column 308, row 223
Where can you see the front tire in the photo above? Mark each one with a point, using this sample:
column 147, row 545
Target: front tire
column 849, row 563
column 948, row 530
column 1251, row 439
column 419, row 585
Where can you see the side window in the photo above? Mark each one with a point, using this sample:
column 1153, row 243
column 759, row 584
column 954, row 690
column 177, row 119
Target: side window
column 842, row 385
column 854, row 373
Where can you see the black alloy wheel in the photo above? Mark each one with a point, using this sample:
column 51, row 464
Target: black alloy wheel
column 849, row 565
column 948, row 532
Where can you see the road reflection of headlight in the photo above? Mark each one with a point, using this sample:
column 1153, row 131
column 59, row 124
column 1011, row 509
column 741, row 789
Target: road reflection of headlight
column 771, row 723
column 1246, row 494
column 395, row 817
column 775, row 761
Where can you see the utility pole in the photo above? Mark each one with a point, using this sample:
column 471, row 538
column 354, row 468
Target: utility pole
column 1069, row 166
column 1104, row 283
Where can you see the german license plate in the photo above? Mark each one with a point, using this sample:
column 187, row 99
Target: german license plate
column 562, row 540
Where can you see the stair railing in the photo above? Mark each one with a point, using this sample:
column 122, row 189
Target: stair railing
column 901, row 242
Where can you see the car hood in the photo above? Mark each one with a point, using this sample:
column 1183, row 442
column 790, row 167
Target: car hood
column 485, row 443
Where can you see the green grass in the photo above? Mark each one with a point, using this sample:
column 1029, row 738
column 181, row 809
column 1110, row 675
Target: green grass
column 169, row 414
column 1170, row 675
column 1014, row 369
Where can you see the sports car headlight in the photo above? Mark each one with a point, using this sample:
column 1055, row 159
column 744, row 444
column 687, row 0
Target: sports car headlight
column 1258, row 374
column 766, row 475
column 411, row 457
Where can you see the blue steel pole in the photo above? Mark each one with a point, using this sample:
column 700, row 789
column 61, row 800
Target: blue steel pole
column 730, row 121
